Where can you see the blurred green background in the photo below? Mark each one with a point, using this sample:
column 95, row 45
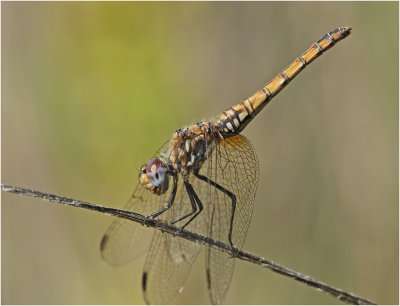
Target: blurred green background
column 91, row 90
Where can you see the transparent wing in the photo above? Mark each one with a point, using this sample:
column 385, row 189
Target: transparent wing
column 125, row 240
column 167, row 267
column 170, row 258
column 234, row 166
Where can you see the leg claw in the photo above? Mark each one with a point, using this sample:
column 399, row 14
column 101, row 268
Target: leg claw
column 178, row 231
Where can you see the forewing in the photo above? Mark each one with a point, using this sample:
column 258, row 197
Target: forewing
column 170, row 258
column 167, row 267
column 126, row 240
column 234, row 166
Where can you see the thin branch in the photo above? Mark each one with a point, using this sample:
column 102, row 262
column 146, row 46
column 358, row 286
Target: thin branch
column 240, row 254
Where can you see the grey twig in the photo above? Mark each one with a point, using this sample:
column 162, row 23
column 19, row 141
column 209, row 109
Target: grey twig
column 240, row 254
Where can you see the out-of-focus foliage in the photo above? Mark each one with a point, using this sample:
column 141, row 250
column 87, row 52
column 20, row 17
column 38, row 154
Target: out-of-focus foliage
column 91, row 90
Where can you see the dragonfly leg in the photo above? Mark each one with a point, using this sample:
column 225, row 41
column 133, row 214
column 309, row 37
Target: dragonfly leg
column 196, row 203
column 233, row 198
column 170, row 201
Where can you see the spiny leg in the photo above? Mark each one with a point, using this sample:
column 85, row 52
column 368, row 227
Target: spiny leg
column 229, row 194
column 170, row 201
column 194, row 199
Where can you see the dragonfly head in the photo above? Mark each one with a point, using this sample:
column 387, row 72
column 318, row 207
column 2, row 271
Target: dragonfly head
column 154, row 177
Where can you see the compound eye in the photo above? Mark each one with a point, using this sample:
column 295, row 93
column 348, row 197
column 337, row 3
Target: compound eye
column 157, row 175
column 153, row 165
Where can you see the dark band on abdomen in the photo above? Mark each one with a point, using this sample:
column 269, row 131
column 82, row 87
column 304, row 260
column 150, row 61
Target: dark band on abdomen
column 235, row 119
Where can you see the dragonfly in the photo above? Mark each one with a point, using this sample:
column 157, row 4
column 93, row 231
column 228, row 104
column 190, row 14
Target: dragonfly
column 204, row 179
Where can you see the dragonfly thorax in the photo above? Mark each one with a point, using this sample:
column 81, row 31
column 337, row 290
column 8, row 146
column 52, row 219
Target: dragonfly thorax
column 187, row 151
column 191, row 146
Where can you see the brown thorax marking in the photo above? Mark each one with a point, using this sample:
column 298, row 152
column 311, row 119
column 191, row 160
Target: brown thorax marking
column 190, row 147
